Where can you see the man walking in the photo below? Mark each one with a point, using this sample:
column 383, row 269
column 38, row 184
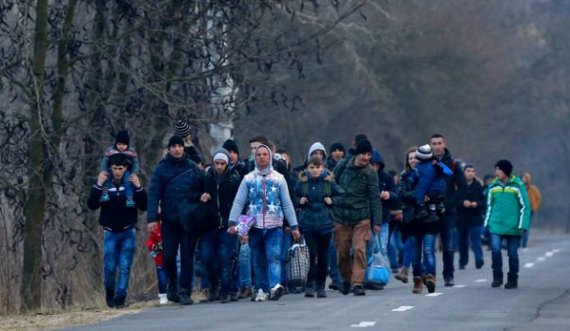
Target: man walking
column 507, row 218
column 118, row 222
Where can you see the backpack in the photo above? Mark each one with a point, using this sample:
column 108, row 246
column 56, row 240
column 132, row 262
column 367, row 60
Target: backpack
column 327, row 189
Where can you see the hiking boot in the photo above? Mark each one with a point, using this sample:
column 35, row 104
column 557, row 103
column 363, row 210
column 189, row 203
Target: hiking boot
column 110, row 297
column 245, row 292
column 120, row 301
column 402, row 275
column 430, row 283
column 448, row 281
column 276, row 292
column 224, row 298
column 512, row 281
column 479, row 264
column 321, row 293
column 497, row 278
column 309, row 292
column 359, row 290
column 259, row 296
column 418, row 285
column 184, row 298
column 333, row 286
column 344, row 289
column 172, row 292
column 203, row 297
column 162, row 299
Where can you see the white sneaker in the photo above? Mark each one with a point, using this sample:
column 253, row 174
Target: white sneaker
column 162, row 300
column 260, row 296
column 277, row 292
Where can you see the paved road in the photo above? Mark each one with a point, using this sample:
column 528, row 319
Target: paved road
column 542, row 302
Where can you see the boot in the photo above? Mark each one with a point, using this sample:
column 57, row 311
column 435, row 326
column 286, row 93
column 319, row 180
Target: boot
column 120, row 301
column 430, row 283
column 512, row 281
column 184, row 297
column 402, row 275
column 110, row 297
column 497, row 278
column 172, row 292
column 418, row 285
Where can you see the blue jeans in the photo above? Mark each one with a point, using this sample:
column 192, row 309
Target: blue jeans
column 524, row 239
column 266, row 245
column 245, row 266
column 218, row 250
column 333, row 265
column 287, row 242
column 449, row 241
column 119, row 250
column 409, row 253
column 513, row 243
column 424, row 246
column 162, row 278
column 464, row 236
column 394, row 248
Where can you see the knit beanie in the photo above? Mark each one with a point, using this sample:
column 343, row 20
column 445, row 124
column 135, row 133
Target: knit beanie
column 122, row 137
column 221, row 155
column 182, row 129
column 336, row 146
column 230, row 146
column 505, row 166
column 364, row 146
column 424, row 153
column 175, row 140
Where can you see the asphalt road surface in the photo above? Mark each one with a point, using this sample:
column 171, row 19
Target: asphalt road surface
column 542, row 302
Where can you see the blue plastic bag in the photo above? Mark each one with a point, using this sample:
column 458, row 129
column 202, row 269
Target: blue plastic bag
column 378, row 267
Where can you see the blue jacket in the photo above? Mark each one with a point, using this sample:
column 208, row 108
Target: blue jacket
column 429, row 182
column 167, row 194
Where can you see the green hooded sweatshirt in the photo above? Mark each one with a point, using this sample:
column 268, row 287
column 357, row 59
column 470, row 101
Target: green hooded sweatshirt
column 508, row 207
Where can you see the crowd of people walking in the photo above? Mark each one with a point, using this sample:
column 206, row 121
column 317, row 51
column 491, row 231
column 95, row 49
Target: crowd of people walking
column 225, row 225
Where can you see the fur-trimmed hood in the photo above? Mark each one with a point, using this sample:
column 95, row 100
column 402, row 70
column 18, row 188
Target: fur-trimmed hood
column 326, row 175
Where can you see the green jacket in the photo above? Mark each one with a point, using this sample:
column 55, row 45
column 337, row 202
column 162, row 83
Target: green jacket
column 362, row 194
column 508, row 207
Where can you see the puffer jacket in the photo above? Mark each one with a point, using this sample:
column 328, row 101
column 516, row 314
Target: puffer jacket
column 222, row 190
column 316, row 214
column 362, row 194
column 167, row 194
column 508, row 207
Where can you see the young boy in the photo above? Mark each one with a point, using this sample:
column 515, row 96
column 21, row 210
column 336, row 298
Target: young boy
column 429, row 176
column 318, row 193
column 154, row 245
column 121, row 146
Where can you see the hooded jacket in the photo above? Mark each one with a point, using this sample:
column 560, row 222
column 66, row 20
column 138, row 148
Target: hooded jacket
column 455, row 184
column 265, row 194
column 508, row 207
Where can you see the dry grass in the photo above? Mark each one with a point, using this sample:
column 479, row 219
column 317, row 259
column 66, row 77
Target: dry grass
column 60, row 319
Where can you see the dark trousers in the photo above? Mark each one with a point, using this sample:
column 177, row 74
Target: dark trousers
column 319, row 258
column 449, row 240
column 173, row 238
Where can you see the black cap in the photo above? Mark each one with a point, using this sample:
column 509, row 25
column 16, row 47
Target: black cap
column 506, row 166
column 175, row 140
column 336, row 146
column 122, row 137
column 364, row 146
column 231, row 145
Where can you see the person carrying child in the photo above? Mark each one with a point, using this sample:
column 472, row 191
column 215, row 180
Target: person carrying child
column 121, row 146
column 318, row 192
column 154, row 245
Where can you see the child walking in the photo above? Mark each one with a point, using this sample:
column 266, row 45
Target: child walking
column 318, row 193
column 121, row 146
column 154, row 245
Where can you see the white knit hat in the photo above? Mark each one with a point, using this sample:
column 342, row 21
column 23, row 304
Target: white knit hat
column 424, row 152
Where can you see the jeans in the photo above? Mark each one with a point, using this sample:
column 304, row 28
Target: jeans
column 464, row 236
column 409, row 253
column 119, row 250
column 162, row 278
column 423, row 246
column 333, row 266
column 287, row 242
column 355, row 237
column 513, row 243
column 524, row 239
column 394, row 248
column 218, row 250
column 449, row 241
column 174, row 237
column 318, row 250
column 266, row 245
column 245, row 265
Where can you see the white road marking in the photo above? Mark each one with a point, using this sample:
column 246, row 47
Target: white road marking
column 363, row 324
column 481, row 280
column 529, row 265
column 541, row 258
column 403, row 308
column 556, row 250
column 434, row 294
column 549, row 254
column 460, row 286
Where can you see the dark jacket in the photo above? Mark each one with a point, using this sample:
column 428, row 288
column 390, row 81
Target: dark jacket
column 316, row 215
column 222, row 190
column 362, row 194
column 385, row 183
column 470, row 217
column 455, row 185
column 167, row 193
column 115, row 216
column 412, row 226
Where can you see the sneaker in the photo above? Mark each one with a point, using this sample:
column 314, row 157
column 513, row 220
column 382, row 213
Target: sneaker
column 344, row 289
column 259, row 296
column 104, row 197
column 359, row 290
column 276, row 292
column 461, row 267
column 479, row 264
column 449, row 281
column 184, row 299
column 234, row 297
column 172, row 292
column 309, row 292
column 321, row 293
column 120, row 301
column 224, row 298
column 245, row 292
column 213, row 295
column 373, row 286
column 109, row 297
column 130, row 203
column 333, row 286
column 162, row 299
